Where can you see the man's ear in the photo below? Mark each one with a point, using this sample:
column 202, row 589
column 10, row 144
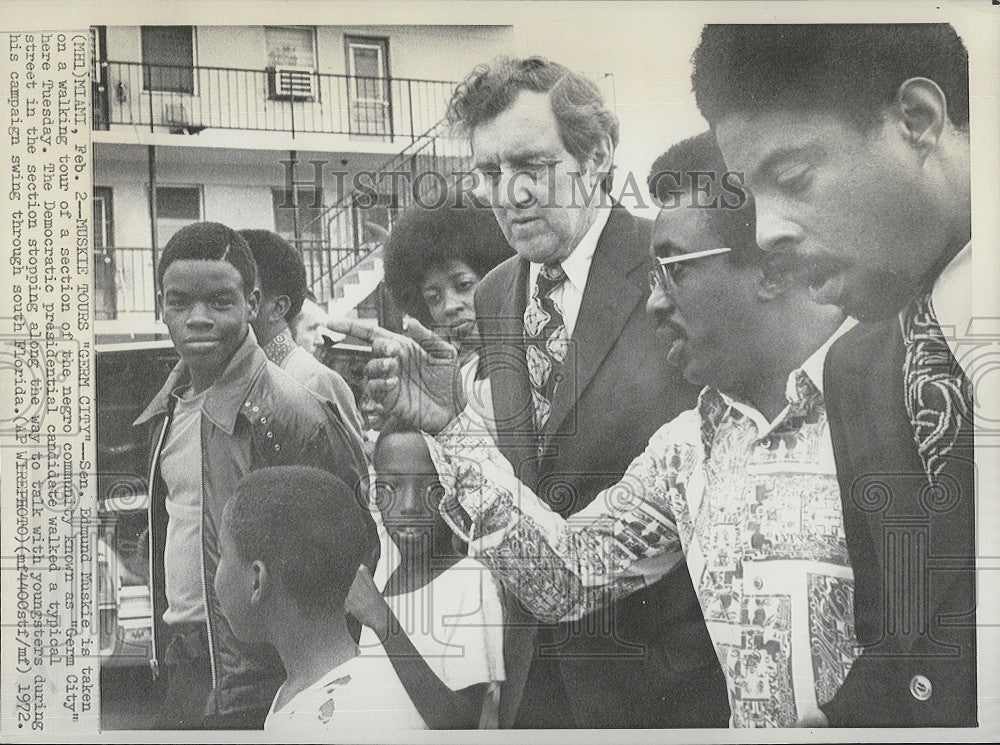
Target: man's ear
column 253, row 301
column 280, row 307
column 601, row 158
column 921, row 111
column 262, row 582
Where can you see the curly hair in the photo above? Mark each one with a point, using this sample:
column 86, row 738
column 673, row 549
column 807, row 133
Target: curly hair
column 851, row 69
column 579, row 108
column 215, row 242
column 308, row 528
column 426, row 237
column 279, row 267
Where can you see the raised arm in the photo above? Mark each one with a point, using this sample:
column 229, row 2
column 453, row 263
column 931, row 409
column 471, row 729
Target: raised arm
column 559, row 568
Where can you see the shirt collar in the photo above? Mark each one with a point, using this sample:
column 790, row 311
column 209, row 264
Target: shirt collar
column 816, row 362
column 801, row 382
column 226, row 396
column 577, row 264
column 280, row 347
column 951, row 295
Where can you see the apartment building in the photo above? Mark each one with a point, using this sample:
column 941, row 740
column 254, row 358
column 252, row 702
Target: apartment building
column 270, row 127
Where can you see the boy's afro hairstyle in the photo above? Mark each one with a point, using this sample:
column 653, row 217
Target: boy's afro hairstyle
column 454, row 228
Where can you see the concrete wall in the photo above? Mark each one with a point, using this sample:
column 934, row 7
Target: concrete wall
column 429, row 52
column 236, row 194
column 236, row 184
column 230, row 88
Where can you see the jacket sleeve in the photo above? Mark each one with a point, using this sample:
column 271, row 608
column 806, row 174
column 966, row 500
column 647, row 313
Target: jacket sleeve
column 331, row 387
column 334, row 447
column 562, row 569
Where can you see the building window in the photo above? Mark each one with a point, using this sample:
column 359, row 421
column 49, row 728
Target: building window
column 290, row 46
column 168, row 58
column 368, row 85
column 98, row 76
column 374, row 220
column 176, row 206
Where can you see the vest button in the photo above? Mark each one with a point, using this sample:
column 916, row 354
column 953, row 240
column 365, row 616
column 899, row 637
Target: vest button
column 920, row 687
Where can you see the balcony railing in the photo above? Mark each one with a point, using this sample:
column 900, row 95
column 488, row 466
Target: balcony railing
column 353, row 230
column 125, row 276
column 339, row 238
column 191, row 99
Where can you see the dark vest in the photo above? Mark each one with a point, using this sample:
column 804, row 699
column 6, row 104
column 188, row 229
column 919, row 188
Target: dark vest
column 911, row 543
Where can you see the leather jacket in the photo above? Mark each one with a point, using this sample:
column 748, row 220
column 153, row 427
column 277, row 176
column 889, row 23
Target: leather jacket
column 254, row 416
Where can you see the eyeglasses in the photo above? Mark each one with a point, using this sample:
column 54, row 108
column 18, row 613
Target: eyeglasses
column 664, row 274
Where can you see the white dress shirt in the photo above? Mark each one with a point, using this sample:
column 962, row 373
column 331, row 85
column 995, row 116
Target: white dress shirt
column 569, row 295
column 951, row 297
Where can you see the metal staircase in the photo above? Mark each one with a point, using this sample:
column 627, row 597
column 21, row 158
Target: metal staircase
column 345, row 267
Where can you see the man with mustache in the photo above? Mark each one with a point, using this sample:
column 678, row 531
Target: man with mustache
column 744, row 485
column 855, row 142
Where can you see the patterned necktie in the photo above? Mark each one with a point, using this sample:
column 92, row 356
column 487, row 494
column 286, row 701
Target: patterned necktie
column 938, row 394
column 546, row 342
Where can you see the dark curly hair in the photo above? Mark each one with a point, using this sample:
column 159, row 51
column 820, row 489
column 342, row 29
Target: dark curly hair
column 308, row 528
column 682, row 168
column 426, row 237
column 490, row 89
column 215, row 242
column 279, row 267
column 851, row 69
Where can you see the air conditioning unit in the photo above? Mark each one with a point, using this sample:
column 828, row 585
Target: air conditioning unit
column 293, row 83
column 178, row 121
column 175, row 115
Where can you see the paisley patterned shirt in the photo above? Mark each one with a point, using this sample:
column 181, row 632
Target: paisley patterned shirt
column 753, row 505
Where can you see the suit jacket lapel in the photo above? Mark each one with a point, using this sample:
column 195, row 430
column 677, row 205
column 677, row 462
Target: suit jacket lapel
column 512, row 405
column 609, row 299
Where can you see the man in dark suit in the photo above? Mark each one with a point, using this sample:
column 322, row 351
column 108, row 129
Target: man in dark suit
column 577, row 386
column 572, row 383
column 855, row 142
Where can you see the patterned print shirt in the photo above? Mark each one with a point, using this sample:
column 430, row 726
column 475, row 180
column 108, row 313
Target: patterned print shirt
column 753, row 505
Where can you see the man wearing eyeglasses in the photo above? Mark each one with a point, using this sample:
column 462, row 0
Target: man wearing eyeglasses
column 577, row 389
column 743, row 486
column 577, row 385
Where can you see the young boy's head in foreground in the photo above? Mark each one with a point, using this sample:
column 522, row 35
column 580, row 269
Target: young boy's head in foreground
column 291, row 541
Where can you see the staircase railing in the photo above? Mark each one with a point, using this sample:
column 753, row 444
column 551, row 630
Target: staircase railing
column 357, row 224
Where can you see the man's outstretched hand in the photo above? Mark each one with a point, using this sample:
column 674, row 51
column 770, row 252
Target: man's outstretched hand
column 414, row 377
